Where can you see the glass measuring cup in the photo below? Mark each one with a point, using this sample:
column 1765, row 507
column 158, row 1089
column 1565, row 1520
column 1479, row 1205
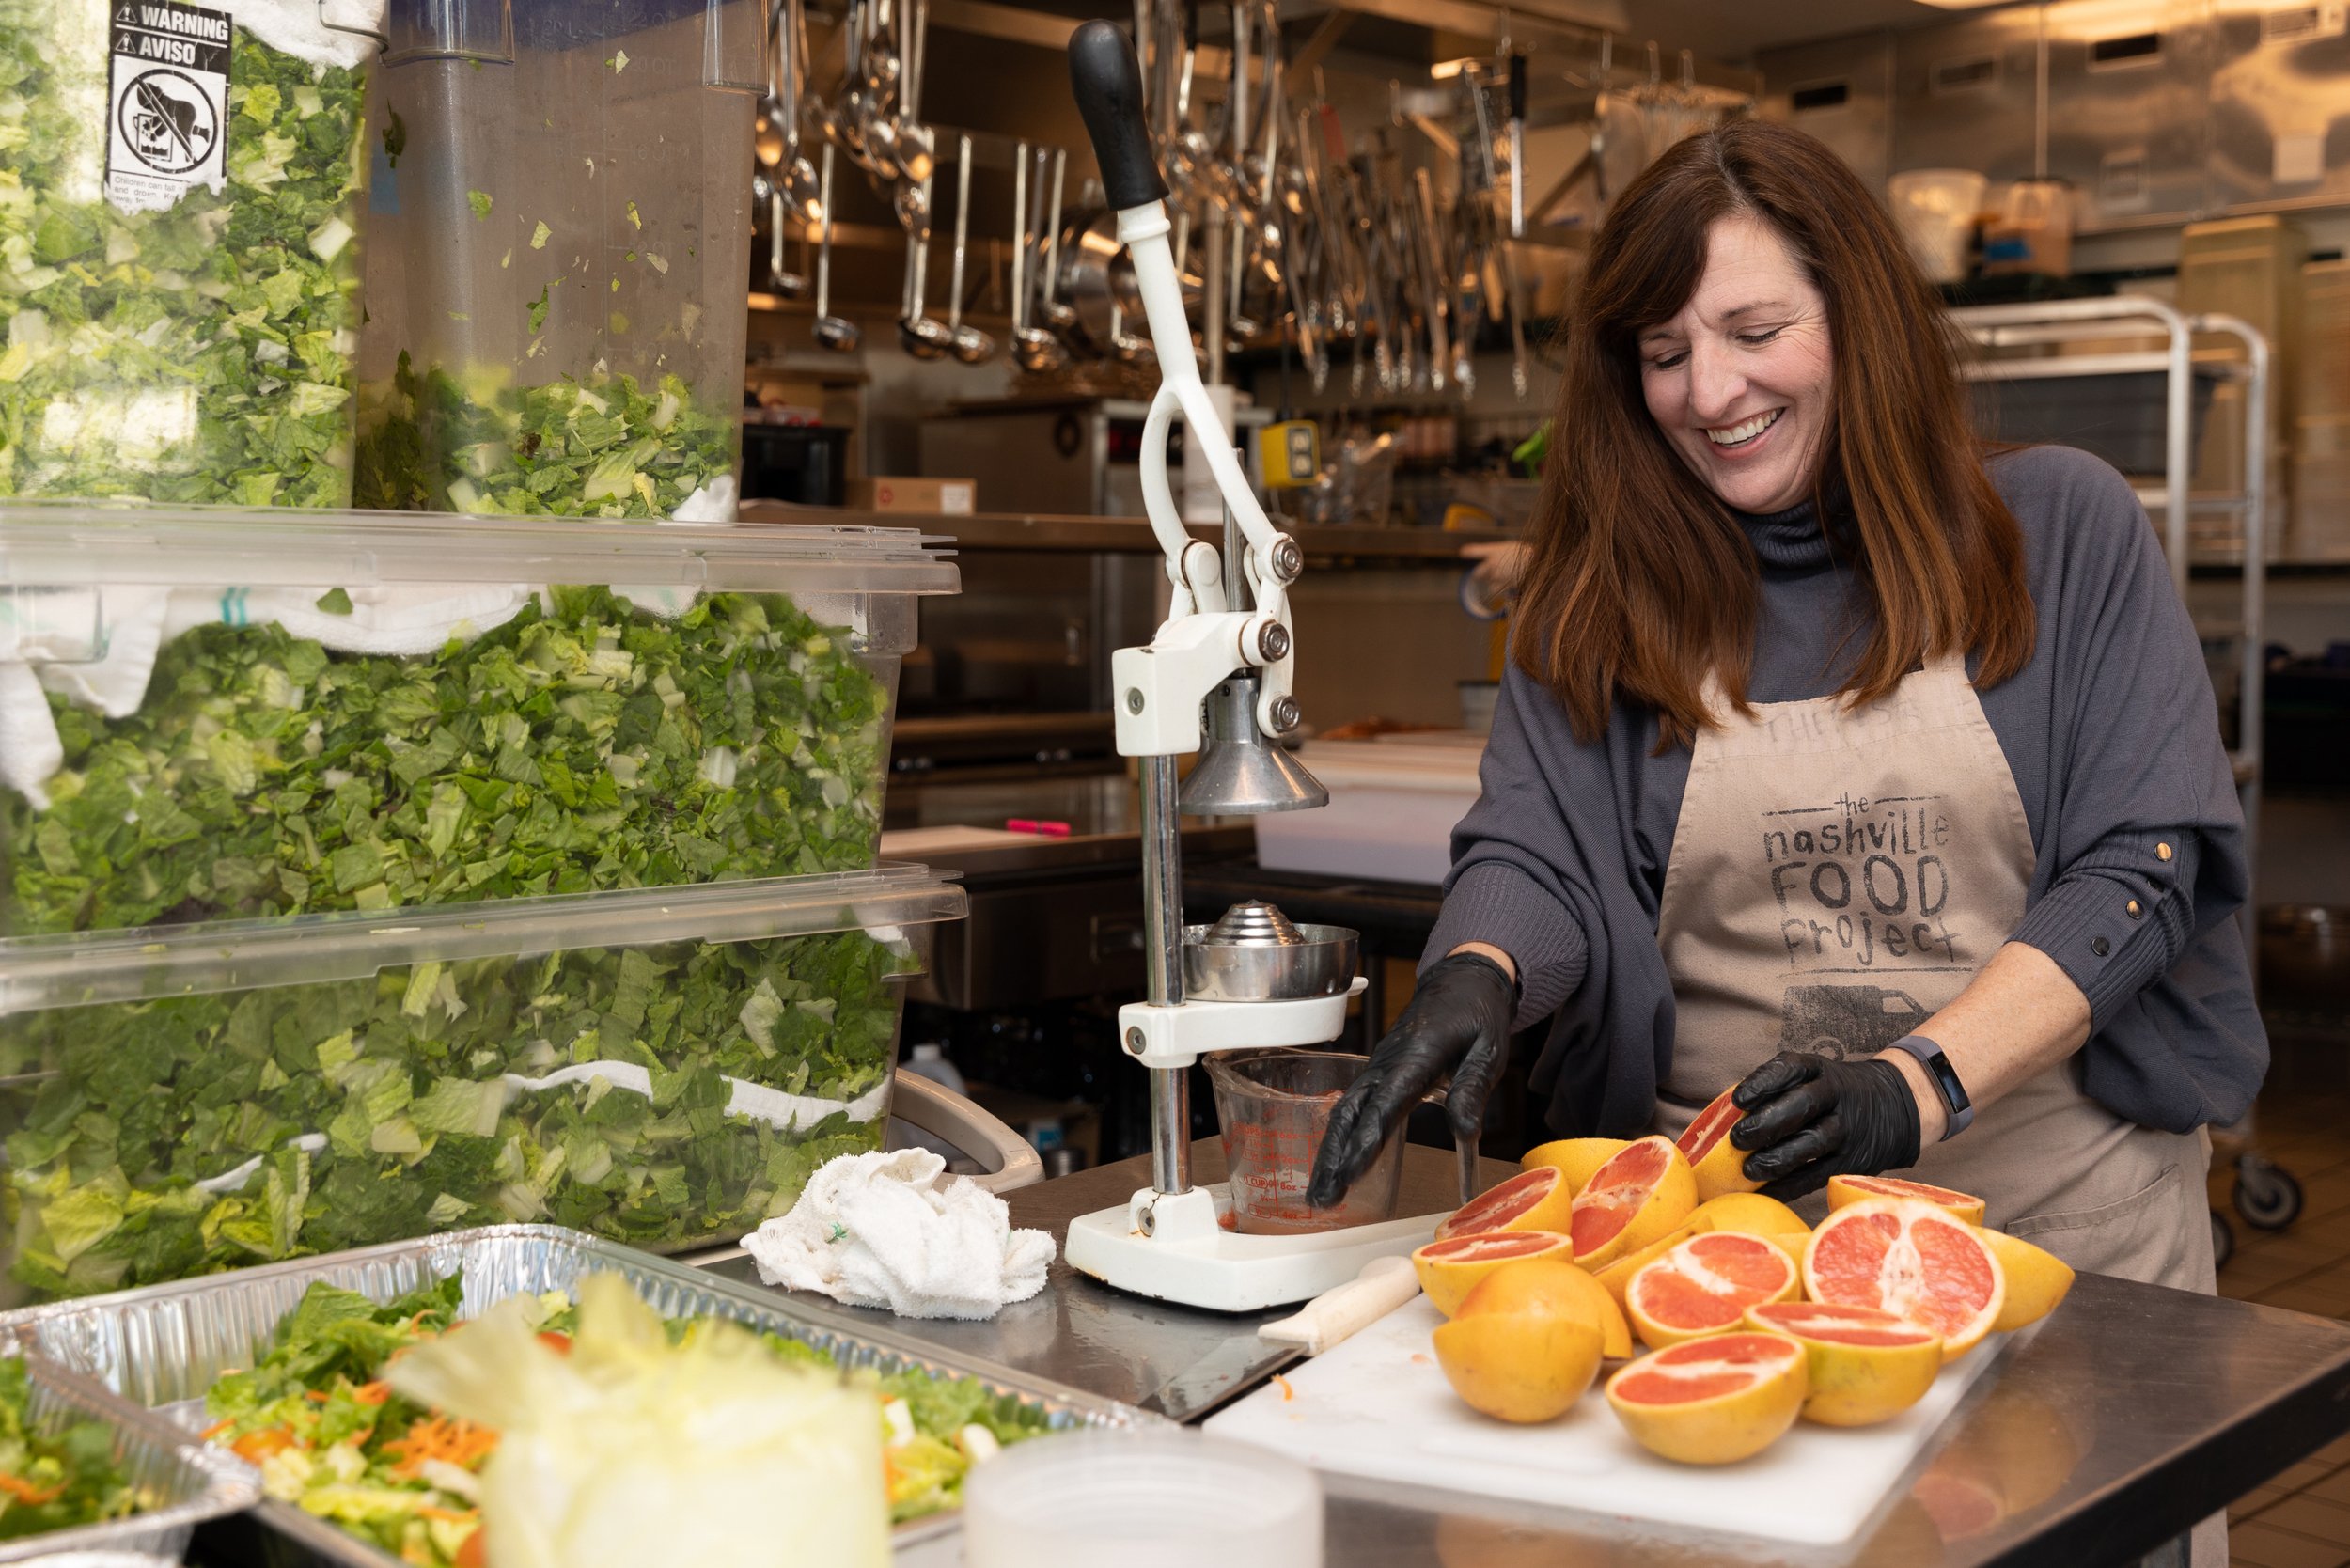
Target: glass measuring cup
column 1274, row 1108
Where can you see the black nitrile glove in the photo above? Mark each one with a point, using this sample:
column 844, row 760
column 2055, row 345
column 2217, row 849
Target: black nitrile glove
column 1809, row 1118
column 1457, row 1022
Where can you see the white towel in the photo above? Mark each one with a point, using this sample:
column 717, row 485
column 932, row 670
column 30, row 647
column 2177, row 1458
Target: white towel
column 885, row 1231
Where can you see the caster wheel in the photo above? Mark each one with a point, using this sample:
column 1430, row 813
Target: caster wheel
column 2266, row 1197
column 2222, row 1240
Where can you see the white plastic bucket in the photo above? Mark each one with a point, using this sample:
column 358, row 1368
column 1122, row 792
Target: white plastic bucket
column 1936, row 211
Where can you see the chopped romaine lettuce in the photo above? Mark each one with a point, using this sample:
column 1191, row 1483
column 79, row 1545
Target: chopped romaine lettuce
column 198, row 353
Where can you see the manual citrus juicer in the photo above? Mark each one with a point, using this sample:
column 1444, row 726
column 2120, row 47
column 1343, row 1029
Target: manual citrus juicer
column 1252, row 979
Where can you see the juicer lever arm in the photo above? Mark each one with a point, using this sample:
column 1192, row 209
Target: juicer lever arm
column 1108, row 84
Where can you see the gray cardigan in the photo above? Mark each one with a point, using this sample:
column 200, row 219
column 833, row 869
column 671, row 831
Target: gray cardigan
column 2111, row 731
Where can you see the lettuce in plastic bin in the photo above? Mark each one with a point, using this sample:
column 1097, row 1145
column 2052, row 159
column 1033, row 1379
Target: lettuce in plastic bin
column 630, row 1451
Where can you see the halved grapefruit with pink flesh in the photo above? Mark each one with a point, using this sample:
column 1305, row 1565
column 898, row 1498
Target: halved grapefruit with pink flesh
column 1866, row 1365
column 1910, row 1259
column 1855, row 1189
column 1535, row 1200
column 1637, row 1197
column 1714, row 1400
column 1449, row 1269
column 1715, row 1162
column 1705, row 1285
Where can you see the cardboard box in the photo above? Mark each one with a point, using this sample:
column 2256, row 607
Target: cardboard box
column 943, row 497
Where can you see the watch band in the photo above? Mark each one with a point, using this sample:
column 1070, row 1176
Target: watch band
column 1960, row 1110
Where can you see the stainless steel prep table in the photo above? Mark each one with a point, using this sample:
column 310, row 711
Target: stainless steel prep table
column 2166, row 1407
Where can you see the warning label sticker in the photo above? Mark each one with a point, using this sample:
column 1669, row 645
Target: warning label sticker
column 168, row 125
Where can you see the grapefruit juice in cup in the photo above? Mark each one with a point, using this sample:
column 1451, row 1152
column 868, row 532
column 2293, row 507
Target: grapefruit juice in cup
column 1274, row 1108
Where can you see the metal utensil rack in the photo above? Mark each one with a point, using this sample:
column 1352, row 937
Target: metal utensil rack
column 2058, row 323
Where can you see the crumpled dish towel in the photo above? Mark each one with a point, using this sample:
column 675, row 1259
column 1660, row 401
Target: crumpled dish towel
column 885, row 1231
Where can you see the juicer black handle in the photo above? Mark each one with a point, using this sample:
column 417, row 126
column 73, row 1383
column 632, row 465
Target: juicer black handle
column 1517, row 85
column 1108, row 86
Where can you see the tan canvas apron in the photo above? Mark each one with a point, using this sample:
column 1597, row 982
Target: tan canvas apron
column 1837, row 875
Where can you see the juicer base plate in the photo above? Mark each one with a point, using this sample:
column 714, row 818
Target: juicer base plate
column 1188, row 1257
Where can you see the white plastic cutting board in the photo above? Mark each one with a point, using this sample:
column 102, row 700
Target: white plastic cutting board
column 1378, row 1407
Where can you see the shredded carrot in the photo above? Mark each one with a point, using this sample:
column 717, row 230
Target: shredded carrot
column 560, row 1343
column 1287, row 1393
column 27, row 1492
column 458, row 1442
column 474, row 1553
column 254, row 1447
column 217, row 1428
column 449, row 1515
column 316, row 1394
column 372, row 1393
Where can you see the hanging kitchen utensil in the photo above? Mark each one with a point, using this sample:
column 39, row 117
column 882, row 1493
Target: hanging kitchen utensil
column 968, row 343
column 836, row 333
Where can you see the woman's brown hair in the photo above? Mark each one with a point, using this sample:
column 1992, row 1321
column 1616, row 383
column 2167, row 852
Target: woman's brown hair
column 1641, row 582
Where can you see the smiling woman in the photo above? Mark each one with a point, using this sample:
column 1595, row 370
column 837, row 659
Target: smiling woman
column 1751, row 334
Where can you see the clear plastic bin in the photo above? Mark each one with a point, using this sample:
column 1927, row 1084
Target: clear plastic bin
column 562, row 223
column 662, row 1067
column 387, row 712
column 179, row 247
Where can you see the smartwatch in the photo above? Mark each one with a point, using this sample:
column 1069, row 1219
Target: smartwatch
column 1960, row 1110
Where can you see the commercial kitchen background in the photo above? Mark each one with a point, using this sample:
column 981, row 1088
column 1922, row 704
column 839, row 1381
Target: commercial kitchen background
column 2201, row 152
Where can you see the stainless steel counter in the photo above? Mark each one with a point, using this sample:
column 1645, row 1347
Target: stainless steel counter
column 1004, row 530
column 2129, row 1414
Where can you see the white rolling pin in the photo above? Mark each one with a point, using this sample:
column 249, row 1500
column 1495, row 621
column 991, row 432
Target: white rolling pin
column 1384, row 1284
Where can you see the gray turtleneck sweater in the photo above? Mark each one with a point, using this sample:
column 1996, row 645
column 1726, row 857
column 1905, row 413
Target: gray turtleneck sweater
column 2113, row 739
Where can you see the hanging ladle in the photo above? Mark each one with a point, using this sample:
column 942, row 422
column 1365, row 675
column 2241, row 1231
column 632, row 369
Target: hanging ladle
column 968, row 343
column 836, row 333
column 1033, row 349
column 919, row 335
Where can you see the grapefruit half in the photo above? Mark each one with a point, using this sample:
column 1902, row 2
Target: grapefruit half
column 1637, row 1197
column 1714, row 1160
column 1550, row 1286
column 1534, row 1200
column 1705, row 1285
column 1714, row 1400
column 1573, row 1157
column 1855, row 1189
column 1910, row 1259
column 1865, row 1365
column 1449, row 1270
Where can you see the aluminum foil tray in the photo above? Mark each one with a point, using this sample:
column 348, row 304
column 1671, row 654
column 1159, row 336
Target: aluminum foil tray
column 162, row 1346
column 195, row 1481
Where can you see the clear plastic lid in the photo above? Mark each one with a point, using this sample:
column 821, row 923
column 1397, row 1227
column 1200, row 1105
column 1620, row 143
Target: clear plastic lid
column 79, row 543
column 84, row 968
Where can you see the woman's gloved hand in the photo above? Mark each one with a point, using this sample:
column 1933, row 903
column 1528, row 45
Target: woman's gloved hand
column 1457, row 1022
column 1809, row 1118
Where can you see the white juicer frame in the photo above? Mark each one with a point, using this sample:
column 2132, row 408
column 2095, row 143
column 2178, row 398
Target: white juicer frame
column 1168, row 1241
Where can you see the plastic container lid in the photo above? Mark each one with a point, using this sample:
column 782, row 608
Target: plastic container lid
column 1160, row 1500
column 79, row 969
column 76, row 544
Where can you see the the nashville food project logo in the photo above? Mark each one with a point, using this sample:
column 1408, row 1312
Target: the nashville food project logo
column 1860, row 888
column 170, row 102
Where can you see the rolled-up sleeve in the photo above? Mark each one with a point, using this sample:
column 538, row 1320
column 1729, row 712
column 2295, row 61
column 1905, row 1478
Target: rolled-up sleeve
column 2147, row 850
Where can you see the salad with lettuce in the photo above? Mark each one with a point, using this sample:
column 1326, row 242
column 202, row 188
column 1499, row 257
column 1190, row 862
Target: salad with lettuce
column 185, row 1135
column 57, row 1479
column 323, row 1415
column 586, row 743
column 615, row 449
column 198, row 353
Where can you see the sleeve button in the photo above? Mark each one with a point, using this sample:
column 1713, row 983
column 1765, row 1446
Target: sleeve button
column 2136, row 910
column 2101, row 946
column 2162, row 852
